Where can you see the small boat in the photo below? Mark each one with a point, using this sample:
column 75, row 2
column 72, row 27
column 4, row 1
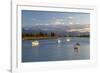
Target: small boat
column 59, row 41
column 35, row 43
column 77, row 46
column 68, row 39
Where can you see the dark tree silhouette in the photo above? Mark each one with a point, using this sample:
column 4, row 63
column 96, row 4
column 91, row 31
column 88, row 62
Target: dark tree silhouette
column 52, row 34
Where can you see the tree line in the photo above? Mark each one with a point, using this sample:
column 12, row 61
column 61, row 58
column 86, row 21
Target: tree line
column 40, row 34
column 51, row 34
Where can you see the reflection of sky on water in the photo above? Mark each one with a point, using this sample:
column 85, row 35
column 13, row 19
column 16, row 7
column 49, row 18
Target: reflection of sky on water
column 50, row 50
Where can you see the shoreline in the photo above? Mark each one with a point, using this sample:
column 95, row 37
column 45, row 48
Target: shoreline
column 43, row 38
column 38, row 38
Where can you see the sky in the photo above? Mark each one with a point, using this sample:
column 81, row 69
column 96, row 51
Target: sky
column 35, row 18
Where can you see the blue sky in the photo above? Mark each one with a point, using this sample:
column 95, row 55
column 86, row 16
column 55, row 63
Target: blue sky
column 36, row 18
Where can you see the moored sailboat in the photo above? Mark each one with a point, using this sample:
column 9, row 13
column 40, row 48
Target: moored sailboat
column 35, row 43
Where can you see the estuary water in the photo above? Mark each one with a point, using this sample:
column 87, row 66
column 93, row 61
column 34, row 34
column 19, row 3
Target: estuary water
column 51, row 50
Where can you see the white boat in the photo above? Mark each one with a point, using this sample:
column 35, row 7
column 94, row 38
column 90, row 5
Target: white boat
column 59, row 41
column 68, row 39
column 35, row 43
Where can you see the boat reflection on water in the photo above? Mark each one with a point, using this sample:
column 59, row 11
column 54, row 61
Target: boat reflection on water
column 76, row 48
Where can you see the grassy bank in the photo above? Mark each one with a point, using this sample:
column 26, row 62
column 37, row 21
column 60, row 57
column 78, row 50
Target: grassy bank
column 39, row 38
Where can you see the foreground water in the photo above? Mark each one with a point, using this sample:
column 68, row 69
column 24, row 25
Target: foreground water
column 50, row 50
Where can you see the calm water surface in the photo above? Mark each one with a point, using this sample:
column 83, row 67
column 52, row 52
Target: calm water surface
column 50, row 50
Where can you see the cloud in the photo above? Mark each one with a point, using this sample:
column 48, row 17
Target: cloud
column 70, row 23
column 57, row 22
column 70, row 17
column 81, row 28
